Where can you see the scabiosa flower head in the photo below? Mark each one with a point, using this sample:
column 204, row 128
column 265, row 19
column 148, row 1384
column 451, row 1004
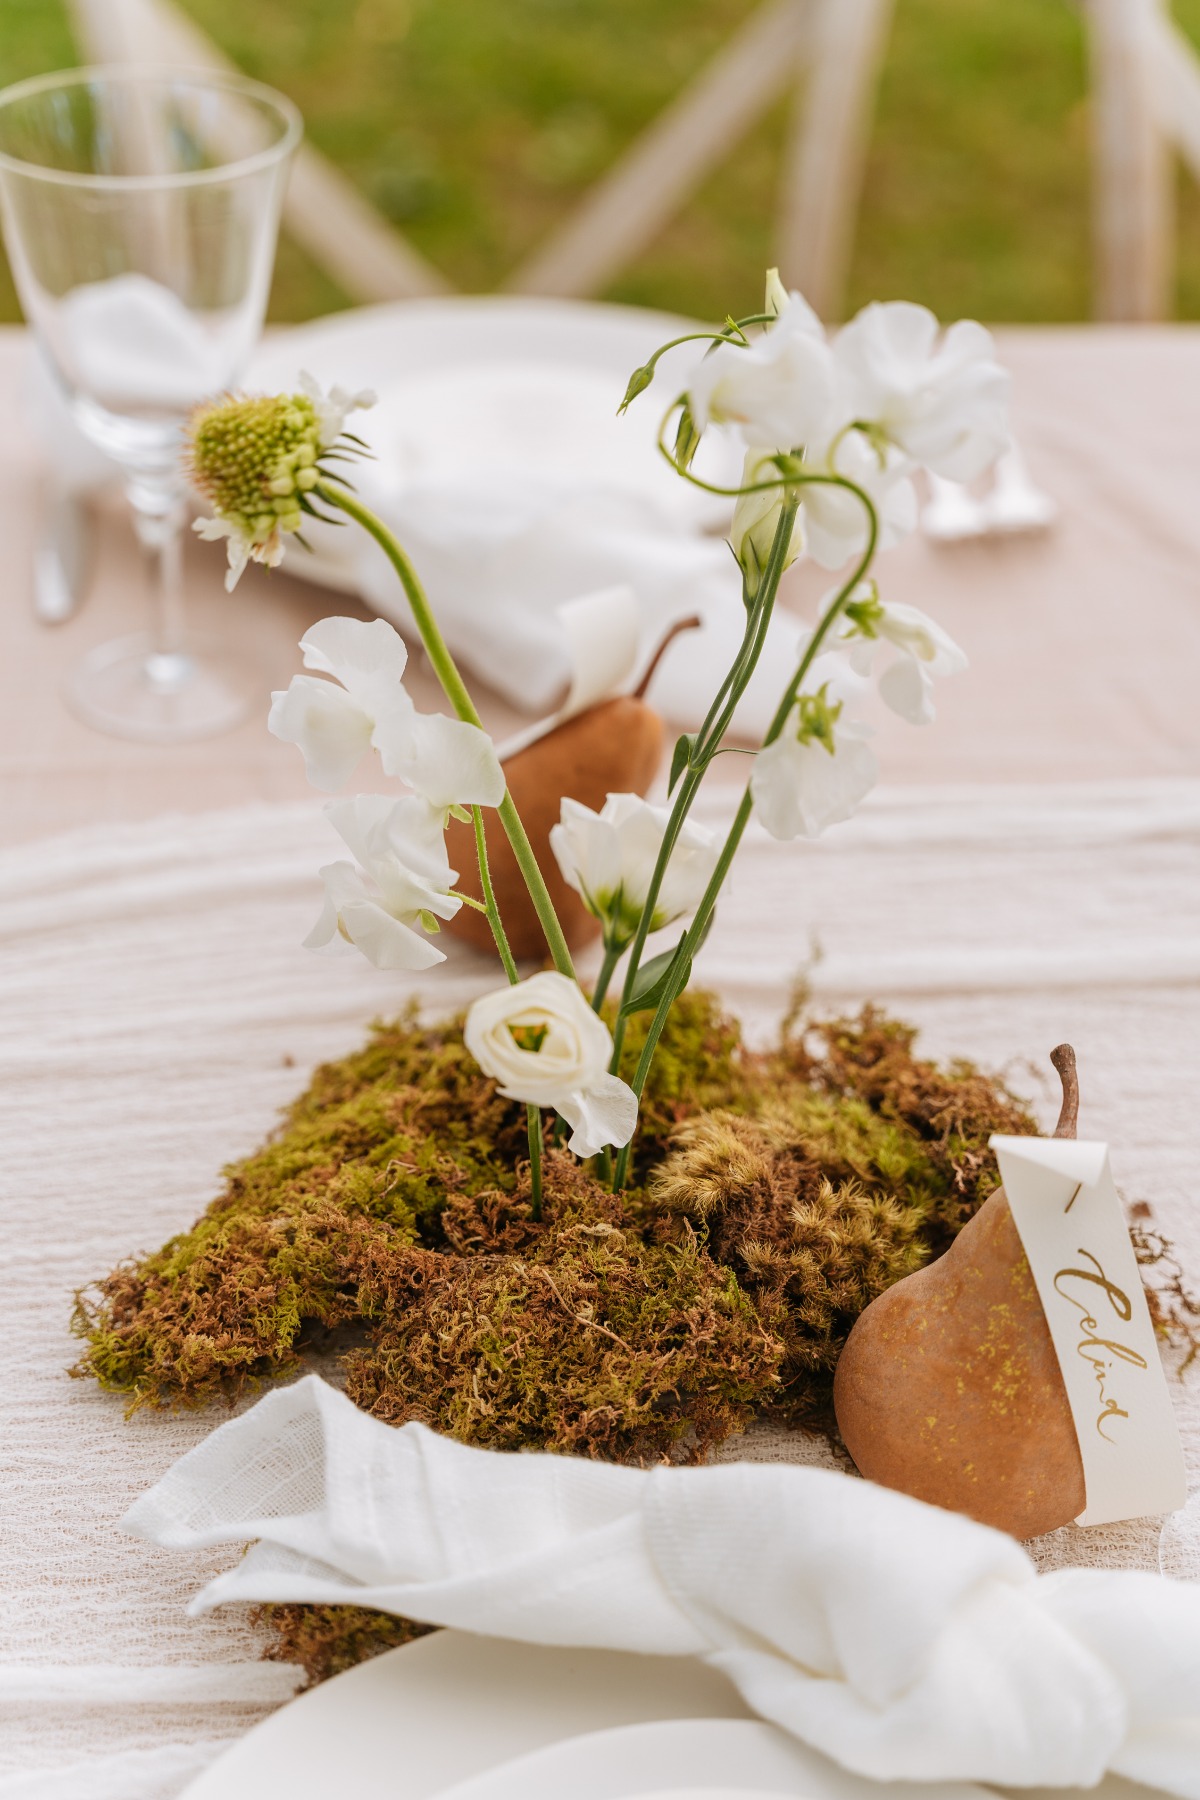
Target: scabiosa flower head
column 257, row 459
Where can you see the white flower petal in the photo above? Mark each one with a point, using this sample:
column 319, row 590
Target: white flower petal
column 385, row 941
column 835, row 520
column 906, row 685
column 574, row 1048
column 609, row 858
column 448, row 761
column 943, row 403
column 343, row 886
column 333, row 408
column 780, row 389
column 800, row 790
column 331, row 730
column 605, row 1112
column 355, row 651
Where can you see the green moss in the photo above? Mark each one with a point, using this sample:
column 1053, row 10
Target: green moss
column 779, row 1193
column 389, row 1221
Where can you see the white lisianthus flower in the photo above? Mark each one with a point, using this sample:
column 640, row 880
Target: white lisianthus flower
column 401, row 889
column 257, row 458
column 541, row 1042
column 609, row 858
column 943, row 400
column 756, row 520
column 779, row 389
column 447, row 761
column 835, row 520
column 924, row 650
column 816, row 772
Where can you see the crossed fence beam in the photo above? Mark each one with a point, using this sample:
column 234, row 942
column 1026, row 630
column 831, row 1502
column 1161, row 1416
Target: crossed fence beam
column 1145, row 105
column 826, row 51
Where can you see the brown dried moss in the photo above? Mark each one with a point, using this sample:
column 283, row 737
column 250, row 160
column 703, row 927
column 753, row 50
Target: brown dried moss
column 327, row 1640
column 389, row 1221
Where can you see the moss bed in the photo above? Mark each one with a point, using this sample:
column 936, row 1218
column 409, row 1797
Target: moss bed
column 388, row 1222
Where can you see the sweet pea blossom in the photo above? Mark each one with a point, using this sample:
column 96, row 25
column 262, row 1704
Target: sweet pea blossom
column 365, row 705
column 779, row 389
column 941, row 399
column 403, row 882
column 542, row 1043
column 818, row 769
column 257, row 458
column 609, row 858
column 835, row 520
column 923, row 649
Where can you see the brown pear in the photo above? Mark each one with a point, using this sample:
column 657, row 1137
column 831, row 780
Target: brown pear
column 949, row 1387
column 614, row 747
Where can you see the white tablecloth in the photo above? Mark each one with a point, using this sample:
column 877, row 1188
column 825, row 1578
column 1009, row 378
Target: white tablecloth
column 158, row 1012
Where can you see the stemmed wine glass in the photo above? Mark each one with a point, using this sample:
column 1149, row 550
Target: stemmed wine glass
column 141, row 210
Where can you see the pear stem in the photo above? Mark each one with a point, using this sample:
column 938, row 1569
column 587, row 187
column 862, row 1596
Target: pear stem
column 1063, row 1058
column 691, row 623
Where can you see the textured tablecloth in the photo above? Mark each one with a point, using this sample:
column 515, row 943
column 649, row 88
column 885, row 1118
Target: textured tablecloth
column 155, row 1010
column 158, row 1012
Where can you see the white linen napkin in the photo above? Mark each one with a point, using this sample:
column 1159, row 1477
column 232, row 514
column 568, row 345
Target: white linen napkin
column 904, row 1642
column 516, row 488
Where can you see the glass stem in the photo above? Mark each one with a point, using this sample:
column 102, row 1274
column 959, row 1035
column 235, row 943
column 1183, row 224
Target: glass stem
column 156, row 501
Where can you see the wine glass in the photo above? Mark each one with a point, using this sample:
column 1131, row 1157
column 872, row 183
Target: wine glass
column 141, row 210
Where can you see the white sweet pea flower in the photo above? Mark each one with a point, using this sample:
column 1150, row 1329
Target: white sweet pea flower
column 403, row 883
column 835, row 520
column 779, row 389
column 542, row 1043
column 817, row 771
column 447, row 761
column 609, row 858
column 756, row 520
column 943, row 400
column 924, row 650
column 257, row 458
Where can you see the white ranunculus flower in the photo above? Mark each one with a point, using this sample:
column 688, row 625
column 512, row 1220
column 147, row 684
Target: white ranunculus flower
column 609, row 857
column 923, row 650
column 942, row 399
column 835, row 521
column 756, row 520
column 778, row 390
column 541, row 1042
column 403, row 883
column 817, row 771
column 446, row 761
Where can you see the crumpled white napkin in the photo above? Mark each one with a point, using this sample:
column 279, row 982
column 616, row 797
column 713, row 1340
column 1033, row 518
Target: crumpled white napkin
column 904, row 1642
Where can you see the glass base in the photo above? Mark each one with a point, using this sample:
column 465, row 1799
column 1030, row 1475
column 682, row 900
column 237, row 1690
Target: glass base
column 131, row 689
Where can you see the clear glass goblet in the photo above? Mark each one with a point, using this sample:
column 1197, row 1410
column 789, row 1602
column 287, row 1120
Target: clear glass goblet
column 141, row 211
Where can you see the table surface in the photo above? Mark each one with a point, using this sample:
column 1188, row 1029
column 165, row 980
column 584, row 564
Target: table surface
column 158, row 1011
column 1083, row 643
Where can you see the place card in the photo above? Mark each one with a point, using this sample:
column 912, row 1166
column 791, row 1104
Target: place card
column 1069, row 1216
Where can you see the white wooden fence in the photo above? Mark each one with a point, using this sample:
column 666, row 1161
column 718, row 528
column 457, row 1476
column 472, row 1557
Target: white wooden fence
column 1145, row 80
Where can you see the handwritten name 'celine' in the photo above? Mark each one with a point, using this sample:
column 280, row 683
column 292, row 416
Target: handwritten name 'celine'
column 1095, row 1349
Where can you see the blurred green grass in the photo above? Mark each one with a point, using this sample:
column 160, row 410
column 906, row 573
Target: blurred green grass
column 476, row 124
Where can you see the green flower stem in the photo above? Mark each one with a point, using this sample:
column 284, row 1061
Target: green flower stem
column 612, row 956
column 707, row 742
column 534, row 1118
column 694, row 935
column 489, row 899
column 533, row 1114
column 456, row 692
